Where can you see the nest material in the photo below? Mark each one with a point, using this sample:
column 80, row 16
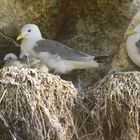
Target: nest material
column 35, row 106
column 111, row 109
column 41, row 106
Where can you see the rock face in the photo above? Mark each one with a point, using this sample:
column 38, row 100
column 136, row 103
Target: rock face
column 95, row 27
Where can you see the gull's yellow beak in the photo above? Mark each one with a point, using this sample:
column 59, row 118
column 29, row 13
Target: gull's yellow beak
column 130, row 32
column 21, row 36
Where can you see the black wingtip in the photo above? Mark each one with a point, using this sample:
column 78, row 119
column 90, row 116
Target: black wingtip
column 101, row 58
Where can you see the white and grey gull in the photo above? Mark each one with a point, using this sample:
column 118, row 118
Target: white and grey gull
column 57, row 56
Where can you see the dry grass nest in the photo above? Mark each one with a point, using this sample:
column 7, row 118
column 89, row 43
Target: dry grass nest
column 35, row 106
column 111, row 109
column 41, row 106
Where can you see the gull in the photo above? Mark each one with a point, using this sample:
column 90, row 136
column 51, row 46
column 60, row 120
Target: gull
column 57, row 56
column 133, row 45
column 33, row 62
column 11, row 59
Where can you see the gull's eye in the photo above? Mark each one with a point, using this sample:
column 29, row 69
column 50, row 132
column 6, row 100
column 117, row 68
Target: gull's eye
column 26, row 55
column 29, row 30
column 10, row 58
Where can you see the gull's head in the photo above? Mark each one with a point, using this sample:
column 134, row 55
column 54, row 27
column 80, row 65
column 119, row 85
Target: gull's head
column 136, row 30
column 24, row 57
column 10, row 57
column 30, row 31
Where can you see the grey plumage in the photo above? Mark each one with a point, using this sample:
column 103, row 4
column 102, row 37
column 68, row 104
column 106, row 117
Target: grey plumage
column 11, row 59
column 59, row 49
column 57, row 53
column 34, row 63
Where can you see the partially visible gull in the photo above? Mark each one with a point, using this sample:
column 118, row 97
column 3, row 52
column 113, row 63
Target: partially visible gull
column 133, row 45
column 11, row 59
column 57, row 56
column 33, row 62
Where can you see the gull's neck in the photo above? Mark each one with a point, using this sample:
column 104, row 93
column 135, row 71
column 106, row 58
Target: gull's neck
column 39, row 37
column 133, row 38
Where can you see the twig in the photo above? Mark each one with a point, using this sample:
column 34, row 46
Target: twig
column 76, row 133
column 6, row 125
column 89, row 134
column 3, row 95
column 10, row 39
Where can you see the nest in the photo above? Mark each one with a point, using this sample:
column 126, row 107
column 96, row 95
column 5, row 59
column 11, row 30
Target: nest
column 41, row 106
column 111, row 109
column 35, row 106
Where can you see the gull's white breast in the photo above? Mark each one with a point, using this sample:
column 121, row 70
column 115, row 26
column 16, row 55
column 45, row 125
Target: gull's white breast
column 27, row 47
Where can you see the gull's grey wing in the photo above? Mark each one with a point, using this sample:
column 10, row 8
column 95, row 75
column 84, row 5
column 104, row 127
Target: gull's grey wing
column 57, row 48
